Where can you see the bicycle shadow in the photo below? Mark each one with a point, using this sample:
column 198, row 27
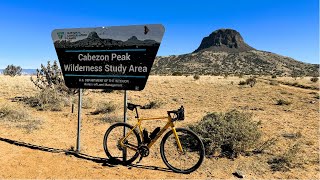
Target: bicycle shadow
column 103, row 161
column 150, row 167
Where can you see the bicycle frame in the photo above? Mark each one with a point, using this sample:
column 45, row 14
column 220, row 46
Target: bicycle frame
column 169, row 124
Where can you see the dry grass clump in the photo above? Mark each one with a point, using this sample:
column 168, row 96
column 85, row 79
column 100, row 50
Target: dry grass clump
column 87, row 103
column 281, row 102
column 230, row 133
column 104, row 108
column 153, row 104
column 274, row 83
column 48, row 99
column 287, row 160
column 19, row 118
column 107, row 90
column 108, row 118
column 10, row 114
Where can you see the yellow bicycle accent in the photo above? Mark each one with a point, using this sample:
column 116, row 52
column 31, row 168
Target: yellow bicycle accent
column 181, row 149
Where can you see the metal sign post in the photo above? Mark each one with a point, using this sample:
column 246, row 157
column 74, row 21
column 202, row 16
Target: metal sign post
column 79, row 120
column 124, row 120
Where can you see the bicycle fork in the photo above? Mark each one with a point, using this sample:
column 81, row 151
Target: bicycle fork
column 177, row 138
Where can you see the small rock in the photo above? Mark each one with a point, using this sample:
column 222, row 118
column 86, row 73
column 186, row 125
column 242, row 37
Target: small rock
column 238, row 174
column 312, row 102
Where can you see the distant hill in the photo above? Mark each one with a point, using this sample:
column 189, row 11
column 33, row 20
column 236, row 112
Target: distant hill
column 225, row 52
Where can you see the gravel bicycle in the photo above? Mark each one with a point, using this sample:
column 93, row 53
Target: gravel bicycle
column 181, row 149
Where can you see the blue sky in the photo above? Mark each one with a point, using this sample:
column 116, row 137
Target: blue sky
column 286, row 27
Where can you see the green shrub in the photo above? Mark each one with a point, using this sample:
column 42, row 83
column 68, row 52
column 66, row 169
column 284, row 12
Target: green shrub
column 177, row 74
column 104, row 108
column 314, row 79
column 230, row 133
column 281, row 102
column 251, row 81
column 196, row 77
column 12, row 70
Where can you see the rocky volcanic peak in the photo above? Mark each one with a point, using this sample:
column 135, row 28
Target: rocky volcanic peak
column 224, row 40
column 133, row 38
column 93, row 35
column 225, row 52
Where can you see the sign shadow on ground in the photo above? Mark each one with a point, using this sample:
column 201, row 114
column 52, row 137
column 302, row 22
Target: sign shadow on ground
column 103, row 161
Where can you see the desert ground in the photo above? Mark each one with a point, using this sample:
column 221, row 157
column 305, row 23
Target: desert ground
column 35, row 147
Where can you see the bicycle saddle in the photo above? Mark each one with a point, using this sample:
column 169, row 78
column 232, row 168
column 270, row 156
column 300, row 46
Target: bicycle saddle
column 131, row 106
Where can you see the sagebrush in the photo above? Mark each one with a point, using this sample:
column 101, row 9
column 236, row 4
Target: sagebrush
column 229, row 133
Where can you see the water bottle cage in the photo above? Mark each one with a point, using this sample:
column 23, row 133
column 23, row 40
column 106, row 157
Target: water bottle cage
column 146, row 138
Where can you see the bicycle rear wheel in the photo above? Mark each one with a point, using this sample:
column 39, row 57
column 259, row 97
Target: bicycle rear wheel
column 112, row 147
column 193, row 151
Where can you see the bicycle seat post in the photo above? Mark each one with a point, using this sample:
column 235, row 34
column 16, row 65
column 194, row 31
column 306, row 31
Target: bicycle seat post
column 137, row 114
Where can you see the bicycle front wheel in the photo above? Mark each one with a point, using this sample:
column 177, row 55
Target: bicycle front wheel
column 190, row 158
column 111, row 143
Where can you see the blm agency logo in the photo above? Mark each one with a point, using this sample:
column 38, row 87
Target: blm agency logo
column 60, row 35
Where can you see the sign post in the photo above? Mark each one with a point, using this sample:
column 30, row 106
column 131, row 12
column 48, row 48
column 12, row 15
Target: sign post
column 79, row 120
column 116, row 57
column 124, row 120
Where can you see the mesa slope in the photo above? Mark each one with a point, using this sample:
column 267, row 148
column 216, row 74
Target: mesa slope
column 224, row 51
